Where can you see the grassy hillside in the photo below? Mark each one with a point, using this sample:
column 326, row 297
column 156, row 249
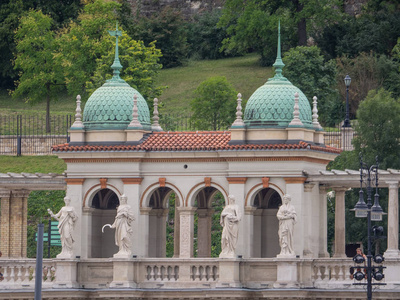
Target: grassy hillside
column 32, row 164
column 243, row 72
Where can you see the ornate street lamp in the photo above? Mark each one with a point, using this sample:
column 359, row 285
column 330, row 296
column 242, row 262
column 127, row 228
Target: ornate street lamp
column 374, row 212
column 347, row 81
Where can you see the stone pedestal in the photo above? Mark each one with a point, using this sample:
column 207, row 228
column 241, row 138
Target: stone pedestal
column 66, row 274
column 229, row 273
column 123, row 274
column 286, row 274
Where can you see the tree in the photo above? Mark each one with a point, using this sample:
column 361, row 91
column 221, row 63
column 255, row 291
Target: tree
column 252, row 24
column 215, row 104
column 40, row 76
column 84, row 41
column 378, row 129
column 307, row 69
column 167, row 29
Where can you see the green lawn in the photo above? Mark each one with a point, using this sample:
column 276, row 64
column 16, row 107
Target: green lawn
column 243, row 72
column 32, row 164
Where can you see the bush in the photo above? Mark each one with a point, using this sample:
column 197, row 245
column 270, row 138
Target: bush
column 368, row 71
column 376, row 32
column 215, row 104
column 205, row 38
column 168, row 31
column 307, row 69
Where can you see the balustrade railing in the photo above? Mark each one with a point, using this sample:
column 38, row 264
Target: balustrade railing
column 21, row 273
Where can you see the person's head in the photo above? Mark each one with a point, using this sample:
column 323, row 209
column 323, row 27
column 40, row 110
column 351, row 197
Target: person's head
column 286, row 198
column 67, row 200
column 359, row 251
column 232, row 199
column 123, row 199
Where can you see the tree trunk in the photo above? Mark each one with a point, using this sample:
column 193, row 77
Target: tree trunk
column 301, row 25
column 48, row 128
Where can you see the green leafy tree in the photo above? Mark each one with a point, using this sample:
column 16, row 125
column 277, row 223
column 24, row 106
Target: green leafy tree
column 307, row 69
column 215, row 104
column 168, row 30
column 83, row 42
column 252, row 24
column 378, row 129
column 368, row 71
column 140, row 66
column 40, row 77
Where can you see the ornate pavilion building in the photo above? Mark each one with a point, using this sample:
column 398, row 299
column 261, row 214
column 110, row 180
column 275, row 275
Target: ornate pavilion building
column 276, row 148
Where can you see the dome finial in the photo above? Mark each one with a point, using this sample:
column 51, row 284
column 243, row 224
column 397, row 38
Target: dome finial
column 116, row 66
column 278, row 65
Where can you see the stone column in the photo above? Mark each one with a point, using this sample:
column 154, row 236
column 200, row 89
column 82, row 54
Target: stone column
column 204, row 232
column 237, row 189
column 323, row 222
column 176, row 232
column 5, row 196
column 82, row 246
column 254, row 230
column 140, row 224
column 18, row 221
column 186, row 231
column 393, row 220
column 295, row 188
column 340, row 226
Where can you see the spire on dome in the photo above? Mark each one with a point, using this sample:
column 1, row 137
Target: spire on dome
column 278, row 65
column 116, row 66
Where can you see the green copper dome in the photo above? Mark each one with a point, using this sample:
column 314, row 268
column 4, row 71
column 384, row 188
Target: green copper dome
column 111, row 105
column 272, row 104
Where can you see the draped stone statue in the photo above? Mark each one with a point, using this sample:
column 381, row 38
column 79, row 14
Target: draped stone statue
column 66, row 218
column 230, row 218
column 287, row 218
column 123, row 228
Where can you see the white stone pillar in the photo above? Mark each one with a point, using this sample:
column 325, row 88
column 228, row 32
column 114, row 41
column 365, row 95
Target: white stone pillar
column 252, row 219
column 323, row 223
column 340, row 226
column 81, row 234
column 309, row 215
column 140, row 224
column 237, row 189
column 186, row 231
column 295, row 188
column 393, row 220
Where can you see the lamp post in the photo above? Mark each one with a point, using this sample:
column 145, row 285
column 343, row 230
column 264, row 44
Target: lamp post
column 347, row 81
column 374, row 212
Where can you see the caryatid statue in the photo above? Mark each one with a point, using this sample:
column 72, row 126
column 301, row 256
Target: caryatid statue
column 230, row 218
column 123, row 228
column 287, row 218
column 66, row 218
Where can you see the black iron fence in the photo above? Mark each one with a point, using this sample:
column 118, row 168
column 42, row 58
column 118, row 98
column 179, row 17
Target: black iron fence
column 27, row 135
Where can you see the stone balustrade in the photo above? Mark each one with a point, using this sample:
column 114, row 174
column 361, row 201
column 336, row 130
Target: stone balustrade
column 20, row 274
column 170, row 273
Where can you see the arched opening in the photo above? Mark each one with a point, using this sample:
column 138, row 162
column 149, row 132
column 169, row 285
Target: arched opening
column 207, row 229
column 163, row 223
column 104, row 205
column 266, row 224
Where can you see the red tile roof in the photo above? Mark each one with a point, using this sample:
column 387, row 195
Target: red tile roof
column 191, row 141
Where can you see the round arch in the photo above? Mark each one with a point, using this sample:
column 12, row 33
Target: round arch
column 148, row 192
column 251, row 194
column 194, row 191
column 89, row 195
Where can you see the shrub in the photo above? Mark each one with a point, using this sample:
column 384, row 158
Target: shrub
column 307, row 69
column 215, row 104
column 168, row 31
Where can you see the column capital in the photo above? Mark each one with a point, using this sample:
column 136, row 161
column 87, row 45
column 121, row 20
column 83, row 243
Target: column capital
column 5, row 193
column 340, row 189
column 308, row 186
column 186, row 210
column 392, row 184
column 145, row 210
column 20, row 193
column 249, row 210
